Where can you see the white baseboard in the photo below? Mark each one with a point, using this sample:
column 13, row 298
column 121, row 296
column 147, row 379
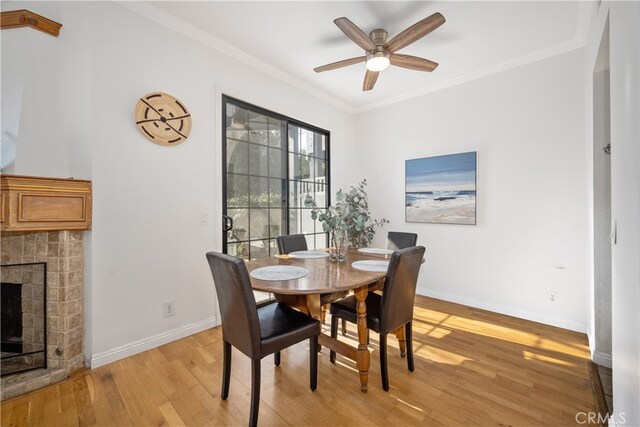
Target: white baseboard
column 139, row 346
column 603, row 359
column 572, row 325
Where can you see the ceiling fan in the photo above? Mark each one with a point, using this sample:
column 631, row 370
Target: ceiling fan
column 380, row 53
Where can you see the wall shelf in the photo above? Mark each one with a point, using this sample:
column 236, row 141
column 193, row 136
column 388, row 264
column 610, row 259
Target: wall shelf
column 25, row 18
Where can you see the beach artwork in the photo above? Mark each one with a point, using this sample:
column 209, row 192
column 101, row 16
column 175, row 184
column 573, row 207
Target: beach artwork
column 441, row 189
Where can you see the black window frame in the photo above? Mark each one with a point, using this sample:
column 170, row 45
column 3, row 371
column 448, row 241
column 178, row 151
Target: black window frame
column 288, row 121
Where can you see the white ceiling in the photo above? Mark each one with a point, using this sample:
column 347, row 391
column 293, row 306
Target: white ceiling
column 289, row 39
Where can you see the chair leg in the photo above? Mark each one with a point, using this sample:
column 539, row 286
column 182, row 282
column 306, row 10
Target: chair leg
column 409, row 337
column 276, row 358
column 324, row 313
column 383, row 361
column 344, row 327
column 313, row 362
column 334, row 334
column 226, row 370
column 255, row 392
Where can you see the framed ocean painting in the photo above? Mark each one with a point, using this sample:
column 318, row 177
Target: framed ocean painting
column 441, row 189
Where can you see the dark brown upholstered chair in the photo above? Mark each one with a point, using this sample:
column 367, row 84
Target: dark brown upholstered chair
column 395, row 240
column 389, row 311
column 291, row 243
column 297, row 242
column 256, row 332
column 398, row 240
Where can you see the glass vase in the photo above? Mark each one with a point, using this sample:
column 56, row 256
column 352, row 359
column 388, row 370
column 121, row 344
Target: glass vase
column 338, row 245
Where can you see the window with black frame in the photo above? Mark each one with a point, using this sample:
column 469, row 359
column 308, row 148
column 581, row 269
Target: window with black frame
column 271, row 162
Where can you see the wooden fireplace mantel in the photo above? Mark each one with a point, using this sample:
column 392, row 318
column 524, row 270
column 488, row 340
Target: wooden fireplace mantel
column 30, row 203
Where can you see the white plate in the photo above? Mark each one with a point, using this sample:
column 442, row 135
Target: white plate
column 308, row 254
column 377, row 266
column 375, row 251
column 279, row 272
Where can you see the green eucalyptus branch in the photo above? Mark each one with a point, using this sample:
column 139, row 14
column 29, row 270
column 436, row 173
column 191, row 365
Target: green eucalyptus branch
column 350, row 212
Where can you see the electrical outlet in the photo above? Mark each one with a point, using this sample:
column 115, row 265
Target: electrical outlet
column 169, row 309
column 552, row 296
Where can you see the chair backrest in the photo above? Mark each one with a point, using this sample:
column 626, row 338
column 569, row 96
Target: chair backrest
column 398, row 240
column 240, row 323
column 399, row 291
column 291, row 243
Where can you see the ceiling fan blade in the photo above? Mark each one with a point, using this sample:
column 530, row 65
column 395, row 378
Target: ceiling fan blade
column 340, row 64
column 412, row 62
column 415, row 32
column 370, row 79
column 354, row 33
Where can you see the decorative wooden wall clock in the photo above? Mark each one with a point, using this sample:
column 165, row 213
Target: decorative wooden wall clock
column 163, row 119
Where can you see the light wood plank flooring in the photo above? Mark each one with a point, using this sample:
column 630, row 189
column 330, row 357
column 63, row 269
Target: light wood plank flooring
column 472, row 367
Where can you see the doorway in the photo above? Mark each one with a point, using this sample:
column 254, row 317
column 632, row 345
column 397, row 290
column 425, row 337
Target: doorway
column 604, row 230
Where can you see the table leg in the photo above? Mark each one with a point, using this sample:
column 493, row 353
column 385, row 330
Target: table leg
column 296, row 301
column 362, row 354
column 315, row 310
column 313, row 306
column 402, row 341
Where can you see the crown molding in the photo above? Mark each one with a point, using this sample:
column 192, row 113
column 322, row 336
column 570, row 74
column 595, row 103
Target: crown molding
column 585, row 14
column 484, row 72
column 182, row 27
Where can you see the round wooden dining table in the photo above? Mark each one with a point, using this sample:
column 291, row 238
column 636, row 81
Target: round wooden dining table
column 326, row 277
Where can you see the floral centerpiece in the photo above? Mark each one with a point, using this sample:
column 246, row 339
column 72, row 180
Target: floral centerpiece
column 346, row 220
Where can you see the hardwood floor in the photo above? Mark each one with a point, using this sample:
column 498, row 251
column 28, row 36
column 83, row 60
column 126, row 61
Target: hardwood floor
column 472, row 367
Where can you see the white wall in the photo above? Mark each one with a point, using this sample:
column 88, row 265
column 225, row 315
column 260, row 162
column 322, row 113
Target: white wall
column 527, row 126
column 147, row 245
column 147, row 236
column 625, row 182
column 45, row 102
column 624, row 23
column 28, row 95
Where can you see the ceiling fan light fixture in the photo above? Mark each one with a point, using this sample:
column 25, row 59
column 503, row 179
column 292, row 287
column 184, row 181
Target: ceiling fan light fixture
column 378, row 52
column 377, row 61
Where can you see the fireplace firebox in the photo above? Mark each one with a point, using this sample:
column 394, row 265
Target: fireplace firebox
column 23, row 308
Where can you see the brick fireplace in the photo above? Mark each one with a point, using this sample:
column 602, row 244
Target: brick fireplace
column 52, row 204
